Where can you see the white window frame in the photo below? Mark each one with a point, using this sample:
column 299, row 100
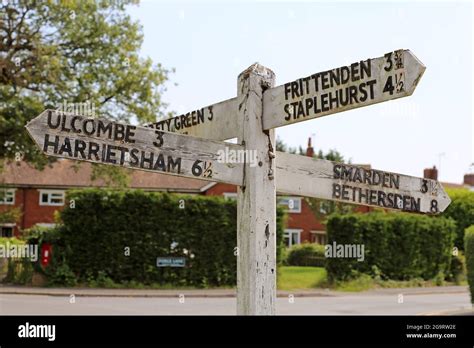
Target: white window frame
column 6, row 192
column 49, row 193
column 288, row 232
column 287, row 208
column 7, row 225
column 230, row 195
column 322, row 207
column 320, row 233
column 46, row 224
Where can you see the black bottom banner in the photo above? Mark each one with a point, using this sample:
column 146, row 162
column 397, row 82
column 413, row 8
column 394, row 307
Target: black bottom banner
column 217, row 330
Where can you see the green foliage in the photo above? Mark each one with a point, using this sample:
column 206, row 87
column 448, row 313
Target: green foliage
column 10, row 215
column 283, row 147
column 296, row 277
column 117, row 177
column 61, row 275
column 322, row 208
column 104, row 225
column 469, row 249
column 457, row 269
column 331, row 155
column 18, row 271
column 460, row 210
column 75, row 52
column 401, row 246
column 11, row 241
column 306, row 254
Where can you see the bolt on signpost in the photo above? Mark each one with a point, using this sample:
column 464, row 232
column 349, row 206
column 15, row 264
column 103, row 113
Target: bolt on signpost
column 191, row 145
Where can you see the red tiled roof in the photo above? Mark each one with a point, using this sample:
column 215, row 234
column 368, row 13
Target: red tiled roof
column 67, row 173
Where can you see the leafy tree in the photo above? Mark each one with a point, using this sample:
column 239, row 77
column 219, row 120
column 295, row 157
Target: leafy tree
column 53, row 52
column 283, row 147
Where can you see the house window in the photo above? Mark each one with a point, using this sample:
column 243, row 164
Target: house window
column 46, row 224
column 230, row 195
column 291, row 204
column 318, row 237
column 7, row 196
column 292, row 237
column 6, row 231
column 51, row 197
column 324, row 207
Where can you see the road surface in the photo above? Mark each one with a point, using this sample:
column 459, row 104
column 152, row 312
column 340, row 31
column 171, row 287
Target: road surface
column 369, row 303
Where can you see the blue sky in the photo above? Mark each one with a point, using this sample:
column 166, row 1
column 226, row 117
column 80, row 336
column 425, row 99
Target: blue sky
column 209, row 43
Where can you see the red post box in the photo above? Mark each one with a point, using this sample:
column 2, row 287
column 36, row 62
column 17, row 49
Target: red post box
column 46, row 250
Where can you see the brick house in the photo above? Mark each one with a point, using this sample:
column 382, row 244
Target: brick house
column 39, row 194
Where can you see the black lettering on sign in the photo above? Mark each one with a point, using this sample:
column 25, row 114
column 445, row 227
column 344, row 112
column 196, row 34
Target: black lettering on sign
column 129, row 134
column 287, row 90
column 91, row 129
column 159, row 139
column 365, row 69
column 134, row 157
column 105, row 129
column 345, row 192
column 63, row 124
column 93, row 150
column 79, row 147
column 144, row 159
column 355, row 72
column 381, row 198
column 371, row 84
column 73, row 124
column 50, row 120
column 174, row 166
column 119, row 133
column 160, row 163
column 110, row 157
column 211, row 115
column 337, row 171
column 388, row 86
column 336, row 190
column 287, row 111
column 424, row 186
column 47, row 143
column 66, row 147
column 122, row 150
column 389, row 65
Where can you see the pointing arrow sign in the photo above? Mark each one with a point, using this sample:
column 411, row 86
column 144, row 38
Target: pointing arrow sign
column 100, row 141
column 362, row 83
column 310, row 177
column 217, row 122
column 394, row 75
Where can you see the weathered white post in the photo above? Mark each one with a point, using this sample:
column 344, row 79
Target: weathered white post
column 256, row 214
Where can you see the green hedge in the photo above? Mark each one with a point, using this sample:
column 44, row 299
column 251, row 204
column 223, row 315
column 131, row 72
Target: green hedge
column 306, row 254
column 102, row 224
column 397, row 246
column 461, row 210
column 469, row 249
column 18, row 270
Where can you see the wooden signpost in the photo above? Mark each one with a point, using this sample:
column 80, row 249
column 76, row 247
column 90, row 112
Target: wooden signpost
column 217, row 122
column 394, row 75
column 366, row 82
column 251, row 117
column 75, row 137
column 346, row 183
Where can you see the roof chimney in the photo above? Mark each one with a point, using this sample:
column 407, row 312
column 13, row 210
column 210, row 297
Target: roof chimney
column 309, row 149
column 431, row 173
column 469, row 179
